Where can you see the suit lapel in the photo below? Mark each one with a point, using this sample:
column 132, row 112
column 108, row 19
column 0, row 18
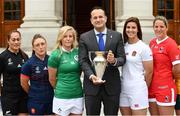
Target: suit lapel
column 93, row 40
column 108, row 40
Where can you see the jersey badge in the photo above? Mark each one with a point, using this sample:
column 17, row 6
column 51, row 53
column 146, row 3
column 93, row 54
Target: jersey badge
column 37, row 69
column 10, row 61
column 136, row 105
column 45, row 68
column 166, row 99
column 134, row 53
column 19, row 66
column 76, row 57
column 161, row 49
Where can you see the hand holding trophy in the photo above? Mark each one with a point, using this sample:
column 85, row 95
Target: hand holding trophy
column 99, row 63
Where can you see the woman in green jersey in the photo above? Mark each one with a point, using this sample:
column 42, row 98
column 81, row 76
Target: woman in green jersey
column 64, row 74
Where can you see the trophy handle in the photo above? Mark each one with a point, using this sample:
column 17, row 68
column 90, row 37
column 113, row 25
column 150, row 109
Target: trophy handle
column 89, row 54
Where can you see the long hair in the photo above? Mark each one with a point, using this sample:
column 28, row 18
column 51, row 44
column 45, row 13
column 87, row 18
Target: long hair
column 135, row 20
column 63, row 30
column 23, row 54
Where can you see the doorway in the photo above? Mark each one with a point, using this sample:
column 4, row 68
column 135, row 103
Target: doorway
column 77, row 13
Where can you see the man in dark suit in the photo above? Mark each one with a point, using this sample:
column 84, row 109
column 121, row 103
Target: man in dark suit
column 106, row 90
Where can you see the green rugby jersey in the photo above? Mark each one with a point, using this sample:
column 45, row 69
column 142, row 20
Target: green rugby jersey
column 68, row 83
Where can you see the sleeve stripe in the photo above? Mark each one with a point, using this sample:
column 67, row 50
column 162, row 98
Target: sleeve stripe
column 24, row 76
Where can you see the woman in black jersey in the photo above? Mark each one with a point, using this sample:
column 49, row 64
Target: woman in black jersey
column 13, row 98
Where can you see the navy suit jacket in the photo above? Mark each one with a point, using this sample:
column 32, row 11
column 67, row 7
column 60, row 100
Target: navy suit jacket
column 88, row 42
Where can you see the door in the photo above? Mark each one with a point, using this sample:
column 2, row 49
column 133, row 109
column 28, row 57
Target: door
column 11, row 14
column 77, row 13
column 171, row 10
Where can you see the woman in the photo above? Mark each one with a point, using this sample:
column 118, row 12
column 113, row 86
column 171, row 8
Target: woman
column 13, row 98
column 35, row 70
column 137, row 71
column 64, row 74
column 162, row 92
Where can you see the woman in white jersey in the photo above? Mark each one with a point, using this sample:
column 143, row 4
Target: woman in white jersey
column 137, row 71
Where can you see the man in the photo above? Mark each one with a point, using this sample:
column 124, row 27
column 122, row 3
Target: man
column 106, row 90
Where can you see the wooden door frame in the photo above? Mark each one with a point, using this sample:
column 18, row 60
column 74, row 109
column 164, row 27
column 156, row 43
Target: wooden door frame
column 13, row 24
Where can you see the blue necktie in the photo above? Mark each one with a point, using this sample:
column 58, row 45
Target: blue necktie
column 101, row 42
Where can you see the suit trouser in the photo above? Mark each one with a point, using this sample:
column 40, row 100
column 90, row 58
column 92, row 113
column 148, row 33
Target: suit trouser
column 110, row 102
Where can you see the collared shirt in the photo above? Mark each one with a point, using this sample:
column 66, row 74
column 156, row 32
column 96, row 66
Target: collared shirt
column 104, row 37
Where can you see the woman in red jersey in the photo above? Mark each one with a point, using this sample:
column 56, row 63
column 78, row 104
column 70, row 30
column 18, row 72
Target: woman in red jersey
column 162, row 91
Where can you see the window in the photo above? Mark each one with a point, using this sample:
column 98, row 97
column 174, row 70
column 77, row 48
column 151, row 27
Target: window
column 12, row 9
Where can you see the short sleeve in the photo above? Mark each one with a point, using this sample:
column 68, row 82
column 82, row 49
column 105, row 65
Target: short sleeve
column 146, row 53
column 26, row 69
column 54, row 58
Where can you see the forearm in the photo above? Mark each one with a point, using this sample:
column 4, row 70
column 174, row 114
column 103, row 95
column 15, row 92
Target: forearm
column 52, row 81
column 148, row 78
column 25, row 87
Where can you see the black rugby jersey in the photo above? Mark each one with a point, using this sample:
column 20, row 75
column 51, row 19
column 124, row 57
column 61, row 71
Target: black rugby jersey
column 10, row 68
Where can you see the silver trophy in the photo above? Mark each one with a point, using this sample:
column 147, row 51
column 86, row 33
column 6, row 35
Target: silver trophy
column 99, row 62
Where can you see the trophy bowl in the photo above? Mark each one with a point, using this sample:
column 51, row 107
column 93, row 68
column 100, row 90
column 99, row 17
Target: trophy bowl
column 99, row 63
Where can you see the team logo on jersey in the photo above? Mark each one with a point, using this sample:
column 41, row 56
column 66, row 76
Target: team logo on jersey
column 161, row 49
column 19, row 66
column 166, row 99
column 134, row 53
column 76, row 57
column 37, row 70
column 45, row 68
column 10, row 61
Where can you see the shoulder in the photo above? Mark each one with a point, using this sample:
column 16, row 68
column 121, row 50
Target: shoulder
column 87, row 34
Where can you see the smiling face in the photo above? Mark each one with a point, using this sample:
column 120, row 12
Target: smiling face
column 40, row 47
column 14, row 42
column 160, row 29
column 131, row 30
column 68, row 39
column 98, row 19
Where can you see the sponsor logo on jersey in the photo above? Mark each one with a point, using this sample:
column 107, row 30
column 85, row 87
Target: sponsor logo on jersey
column 19, row 66
column 45, row 68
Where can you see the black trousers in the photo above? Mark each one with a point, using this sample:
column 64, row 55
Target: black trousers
column 110, row 102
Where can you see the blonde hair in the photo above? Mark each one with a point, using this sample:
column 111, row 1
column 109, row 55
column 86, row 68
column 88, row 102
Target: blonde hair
column 63, row 30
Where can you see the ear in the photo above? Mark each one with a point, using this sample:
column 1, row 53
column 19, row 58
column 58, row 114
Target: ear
column 105, row 18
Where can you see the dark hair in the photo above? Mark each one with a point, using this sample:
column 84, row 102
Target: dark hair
column 23, row 54
column 97, row 8
column 36, row 36
column 135, row 20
